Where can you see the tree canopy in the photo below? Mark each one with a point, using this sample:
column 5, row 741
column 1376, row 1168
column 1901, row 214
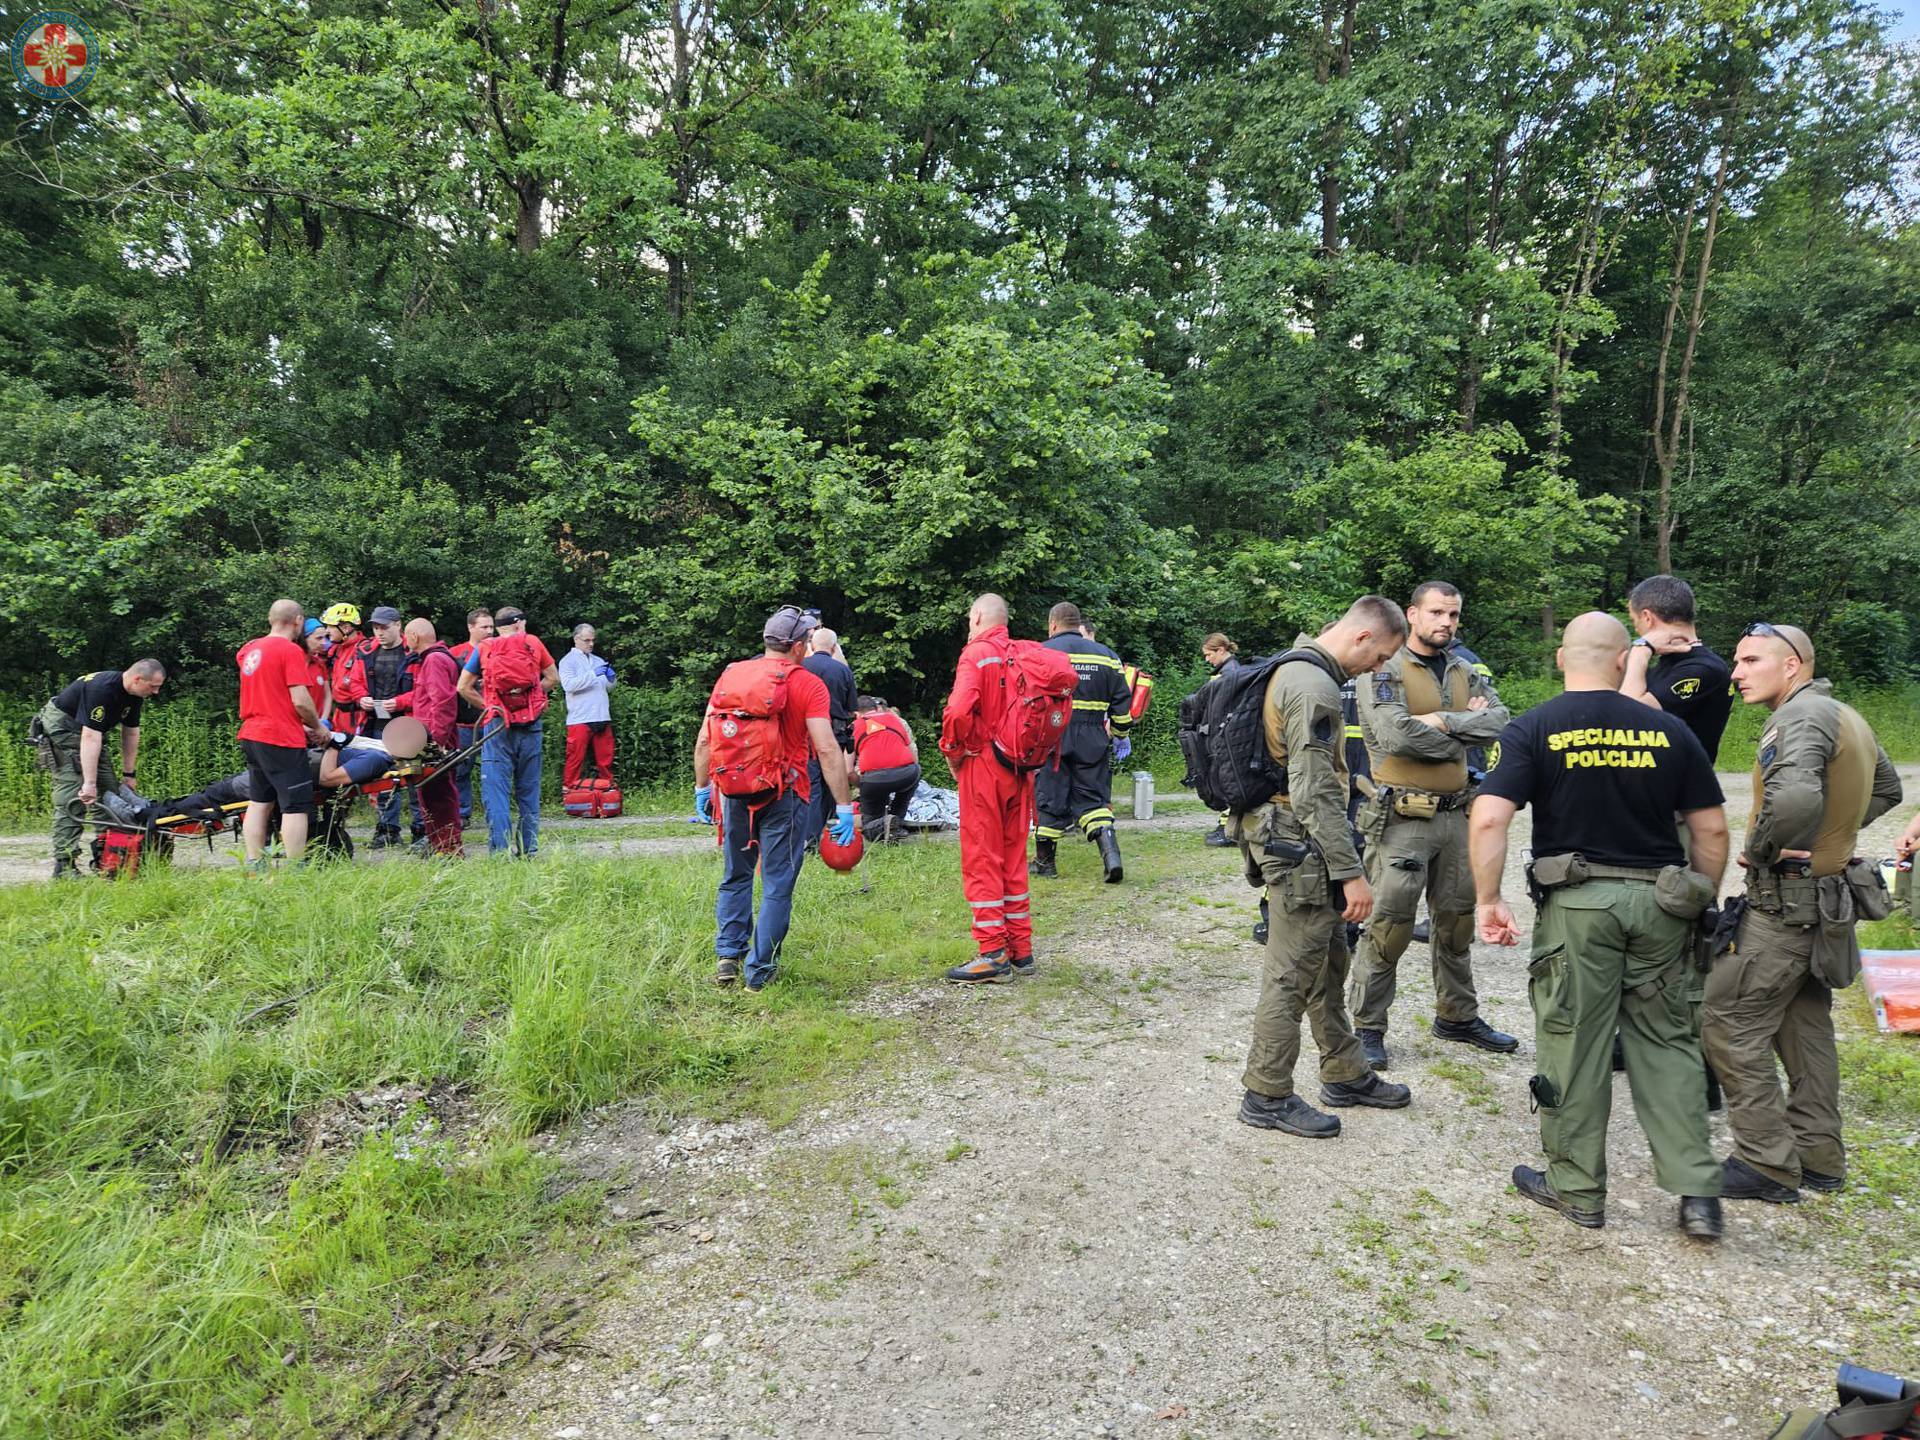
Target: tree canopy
column 658, row 314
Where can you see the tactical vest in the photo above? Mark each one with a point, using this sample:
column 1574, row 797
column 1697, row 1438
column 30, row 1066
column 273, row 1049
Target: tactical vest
column 1849, row 790
column 1443, row 777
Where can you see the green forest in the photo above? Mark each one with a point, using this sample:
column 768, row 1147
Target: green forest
column 658, row 314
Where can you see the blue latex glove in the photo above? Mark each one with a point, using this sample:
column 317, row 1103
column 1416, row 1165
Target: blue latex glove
column 606, row 672
column 1122, row 748
column 842, row 827
column 703, row 804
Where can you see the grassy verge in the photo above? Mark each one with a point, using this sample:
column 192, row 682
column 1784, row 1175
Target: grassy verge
column 262, row 1154
column 1877, row 1219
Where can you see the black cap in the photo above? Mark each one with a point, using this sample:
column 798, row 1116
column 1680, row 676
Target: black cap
column 509, row 615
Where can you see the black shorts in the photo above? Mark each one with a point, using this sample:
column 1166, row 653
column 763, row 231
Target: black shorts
column 280, row 775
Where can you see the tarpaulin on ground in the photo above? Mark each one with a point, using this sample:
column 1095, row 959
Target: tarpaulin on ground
column 1892, row 978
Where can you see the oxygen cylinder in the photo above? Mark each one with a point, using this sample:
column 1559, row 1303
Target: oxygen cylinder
column 1143, row 795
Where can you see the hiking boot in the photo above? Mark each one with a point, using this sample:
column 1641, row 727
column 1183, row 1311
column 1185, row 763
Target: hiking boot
column 1532, row 1184
column 754, row 987
column 1043, row 860
column 384, row 837
column 1374, row 1042
column 1700, row 1217
column 1021, row 964
column 1368, row 1090
column 66, row 867
column 1715, row 1103
column 1260, row 931
column 988, row 969
column 1109, row 844
column 1217, row 837
column 1478, row 1033
column 1422, row 933
column 1740, row 1181
column 1825, row 1184
column 1289, row 1113
column 727, row 970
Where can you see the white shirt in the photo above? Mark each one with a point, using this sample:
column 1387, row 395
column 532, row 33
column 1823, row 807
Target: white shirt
column 586, row 688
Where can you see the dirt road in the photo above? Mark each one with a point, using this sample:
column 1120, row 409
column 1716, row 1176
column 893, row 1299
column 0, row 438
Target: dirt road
column 1052, row 1225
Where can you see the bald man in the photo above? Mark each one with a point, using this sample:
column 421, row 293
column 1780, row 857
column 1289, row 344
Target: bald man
column 435, row 688
column 1820, row 776
column 843, row 695
column 1616, row 898
column 277, row 720
column 996, row 803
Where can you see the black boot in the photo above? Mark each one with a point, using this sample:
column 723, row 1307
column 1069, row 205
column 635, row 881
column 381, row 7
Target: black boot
column 1043, row 857
column 1217, row 837
column 66, row 867
column 1109, row 844
column 1714, row 1099
column 1260, row 930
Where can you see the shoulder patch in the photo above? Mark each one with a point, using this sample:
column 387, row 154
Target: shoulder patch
column 1382, row 691
column 1493, row 756
column 1323, row 730
column 1768, row 754
column 1686, row 689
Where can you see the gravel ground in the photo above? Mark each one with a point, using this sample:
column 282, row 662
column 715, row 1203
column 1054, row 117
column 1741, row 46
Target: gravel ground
column 1054, row 1226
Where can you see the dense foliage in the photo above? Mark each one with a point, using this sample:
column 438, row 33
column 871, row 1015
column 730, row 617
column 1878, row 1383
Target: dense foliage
column 657, row 314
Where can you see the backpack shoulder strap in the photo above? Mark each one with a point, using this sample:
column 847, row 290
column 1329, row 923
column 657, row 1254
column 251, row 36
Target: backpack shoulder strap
column 1313, row 658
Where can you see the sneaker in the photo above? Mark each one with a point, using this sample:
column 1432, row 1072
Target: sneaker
column 1478, row 1033
column 1374, row 1042
column 1825, row 1184
column 1740, row 1181
column 1289, row 1113
column 754, row 987
column 1532, row 1184
column 1700, row 1217
column 987, row 969
column 1369, row 1090
column 1021, row 964
column 727, row 970
column 1217, row 837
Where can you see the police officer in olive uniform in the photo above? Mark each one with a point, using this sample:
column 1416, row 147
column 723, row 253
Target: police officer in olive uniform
column 1079, row 790
column 1617, row 899
column 1299, row 846
column 1819, row 777
column 71, row 732
column 1419, row 712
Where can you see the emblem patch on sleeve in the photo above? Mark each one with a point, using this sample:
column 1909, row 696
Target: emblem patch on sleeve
column 1686, row 689
column 1383, row 691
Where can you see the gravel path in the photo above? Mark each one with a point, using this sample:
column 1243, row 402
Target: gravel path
column 1055, row 1227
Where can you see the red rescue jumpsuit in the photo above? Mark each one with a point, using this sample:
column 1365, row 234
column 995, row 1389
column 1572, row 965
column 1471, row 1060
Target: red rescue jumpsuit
column 996, row 804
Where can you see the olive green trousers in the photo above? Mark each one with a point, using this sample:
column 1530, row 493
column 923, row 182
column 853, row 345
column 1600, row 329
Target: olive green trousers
column 1605, row 957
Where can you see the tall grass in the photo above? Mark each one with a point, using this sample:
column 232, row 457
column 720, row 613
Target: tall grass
column 178, row 1252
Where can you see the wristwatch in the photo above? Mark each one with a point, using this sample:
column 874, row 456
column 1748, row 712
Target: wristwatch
column 1640, row 642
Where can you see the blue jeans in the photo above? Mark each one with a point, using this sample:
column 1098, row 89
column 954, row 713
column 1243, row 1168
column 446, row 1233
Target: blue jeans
column 776, row 833
column 510, row 768
column 463, row 773
column 389, row 806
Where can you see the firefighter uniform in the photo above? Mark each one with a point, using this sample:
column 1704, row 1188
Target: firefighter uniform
column 1079, row 790
column 1819, row 777
column 1415, row 824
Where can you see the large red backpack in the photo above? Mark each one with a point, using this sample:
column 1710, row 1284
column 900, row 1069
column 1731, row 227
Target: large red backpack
column 1039, row 704
column 745, row 753
column 510, row 671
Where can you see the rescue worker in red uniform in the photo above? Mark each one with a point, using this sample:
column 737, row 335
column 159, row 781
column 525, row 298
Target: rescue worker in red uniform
column 995, row 803
column 1079, row 789
column 348, row 681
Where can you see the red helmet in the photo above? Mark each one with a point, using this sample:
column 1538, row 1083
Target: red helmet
column 843, row 857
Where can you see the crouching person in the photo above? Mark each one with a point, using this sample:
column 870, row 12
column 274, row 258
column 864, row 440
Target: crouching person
column 888, row 763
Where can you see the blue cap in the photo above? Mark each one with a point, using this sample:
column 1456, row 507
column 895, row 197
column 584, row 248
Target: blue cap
column 311, row 626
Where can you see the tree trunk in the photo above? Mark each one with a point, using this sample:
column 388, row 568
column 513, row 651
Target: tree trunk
column 1669, row 420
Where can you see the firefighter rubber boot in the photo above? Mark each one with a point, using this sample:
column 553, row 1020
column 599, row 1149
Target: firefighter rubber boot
column 1043, row 860
column 1109, row 844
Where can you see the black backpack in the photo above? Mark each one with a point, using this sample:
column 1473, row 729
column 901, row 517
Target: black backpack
column 1228, row 761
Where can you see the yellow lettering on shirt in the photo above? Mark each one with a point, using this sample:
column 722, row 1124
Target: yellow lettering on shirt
column 1600, row 735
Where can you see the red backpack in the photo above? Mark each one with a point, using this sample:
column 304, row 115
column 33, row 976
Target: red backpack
column 745, row 753
column 510, row 671
column 1039, row 704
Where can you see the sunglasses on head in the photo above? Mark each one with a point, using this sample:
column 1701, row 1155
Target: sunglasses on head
column 1774, row 632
